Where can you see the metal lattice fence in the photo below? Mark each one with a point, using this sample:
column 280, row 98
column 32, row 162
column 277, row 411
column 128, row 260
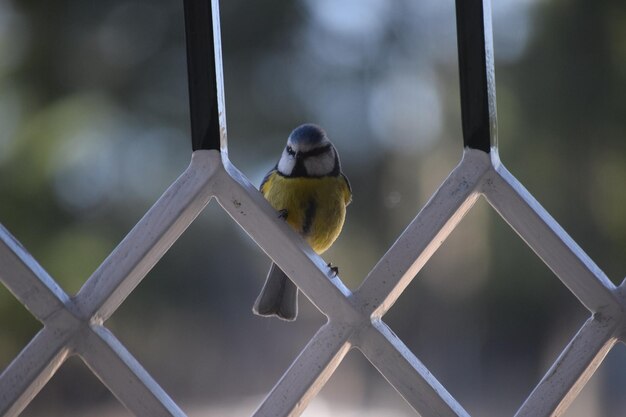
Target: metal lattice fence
column 75, row 325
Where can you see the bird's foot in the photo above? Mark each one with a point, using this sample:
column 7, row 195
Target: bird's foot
column 282, row 214
column 334, row 269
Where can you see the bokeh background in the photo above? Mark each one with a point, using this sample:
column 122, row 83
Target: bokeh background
column 94, row 127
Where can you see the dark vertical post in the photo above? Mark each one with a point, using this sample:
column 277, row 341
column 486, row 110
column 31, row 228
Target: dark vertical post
column 203, row 84
column 476, row 70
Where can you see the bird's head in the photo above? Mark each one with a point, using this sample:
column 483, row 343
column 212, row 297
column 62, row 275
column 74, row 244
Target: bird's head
column 308, row 153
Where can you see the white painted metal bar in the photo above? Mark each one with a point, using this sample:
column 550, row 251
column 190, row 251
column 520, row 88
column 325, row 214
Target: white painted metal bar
column 31, row 370
column 308, row 373
column 406, row 373
column 242, row 207
column 123, row 375
column 549, row 241
column 41, row 295
column 219, row 75
column 424, row 235
column 245, row 210
column 28, row 281
column 111, row 283
column 246, row 205
column 571, row 371
column 148, row 241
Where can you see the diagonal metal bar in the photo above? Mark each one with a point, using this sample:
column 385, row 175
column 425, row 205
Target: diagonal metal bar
column 549, row 241
column 571, row 371
column 28, row 281
column 205, row 77
column 424, row 235
column 40, row 294
column 31, row 370
column 152, row 236
column 406, row 373
column 148, row 241
column 133, row 258
column 182, row 202
column 123, row 375
column 34, row 287
column 252, row 212
column 308, row 373
column 476, row 74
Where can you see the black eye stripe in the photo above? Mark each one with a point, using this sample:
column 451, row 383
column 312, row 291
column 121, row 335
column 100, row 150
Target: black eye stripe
column 290, row 150
column 316, row 151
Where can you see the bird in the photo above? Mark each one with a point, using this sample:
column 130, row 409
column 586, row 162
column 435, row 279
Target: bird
column 310, row 192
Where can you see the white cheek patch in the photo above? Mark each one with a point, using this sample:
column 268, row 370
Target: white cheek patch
column 318, row 166
column 286, row 163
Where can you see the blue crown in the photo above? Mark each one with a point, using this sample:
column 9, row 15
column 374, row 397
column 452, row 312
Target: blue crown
column 307, row 134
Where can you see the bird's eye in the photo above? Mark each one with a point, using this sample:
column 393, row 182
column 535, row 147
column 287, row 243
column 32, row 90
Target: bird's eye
column 290, row 151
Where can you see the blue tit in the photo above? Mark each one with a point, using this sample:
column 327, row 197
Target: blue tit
column 310, row 193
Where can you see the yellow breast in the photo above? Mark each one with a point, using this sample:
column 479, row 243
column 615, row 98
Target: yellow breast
column 316, row 207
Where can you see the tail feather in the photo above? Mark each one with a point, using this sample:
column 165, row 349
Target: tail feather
column 279, row 296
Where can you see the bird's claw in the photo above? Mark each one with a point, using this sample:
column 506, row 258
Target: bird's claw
column 282, row 214
column 334, row 269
